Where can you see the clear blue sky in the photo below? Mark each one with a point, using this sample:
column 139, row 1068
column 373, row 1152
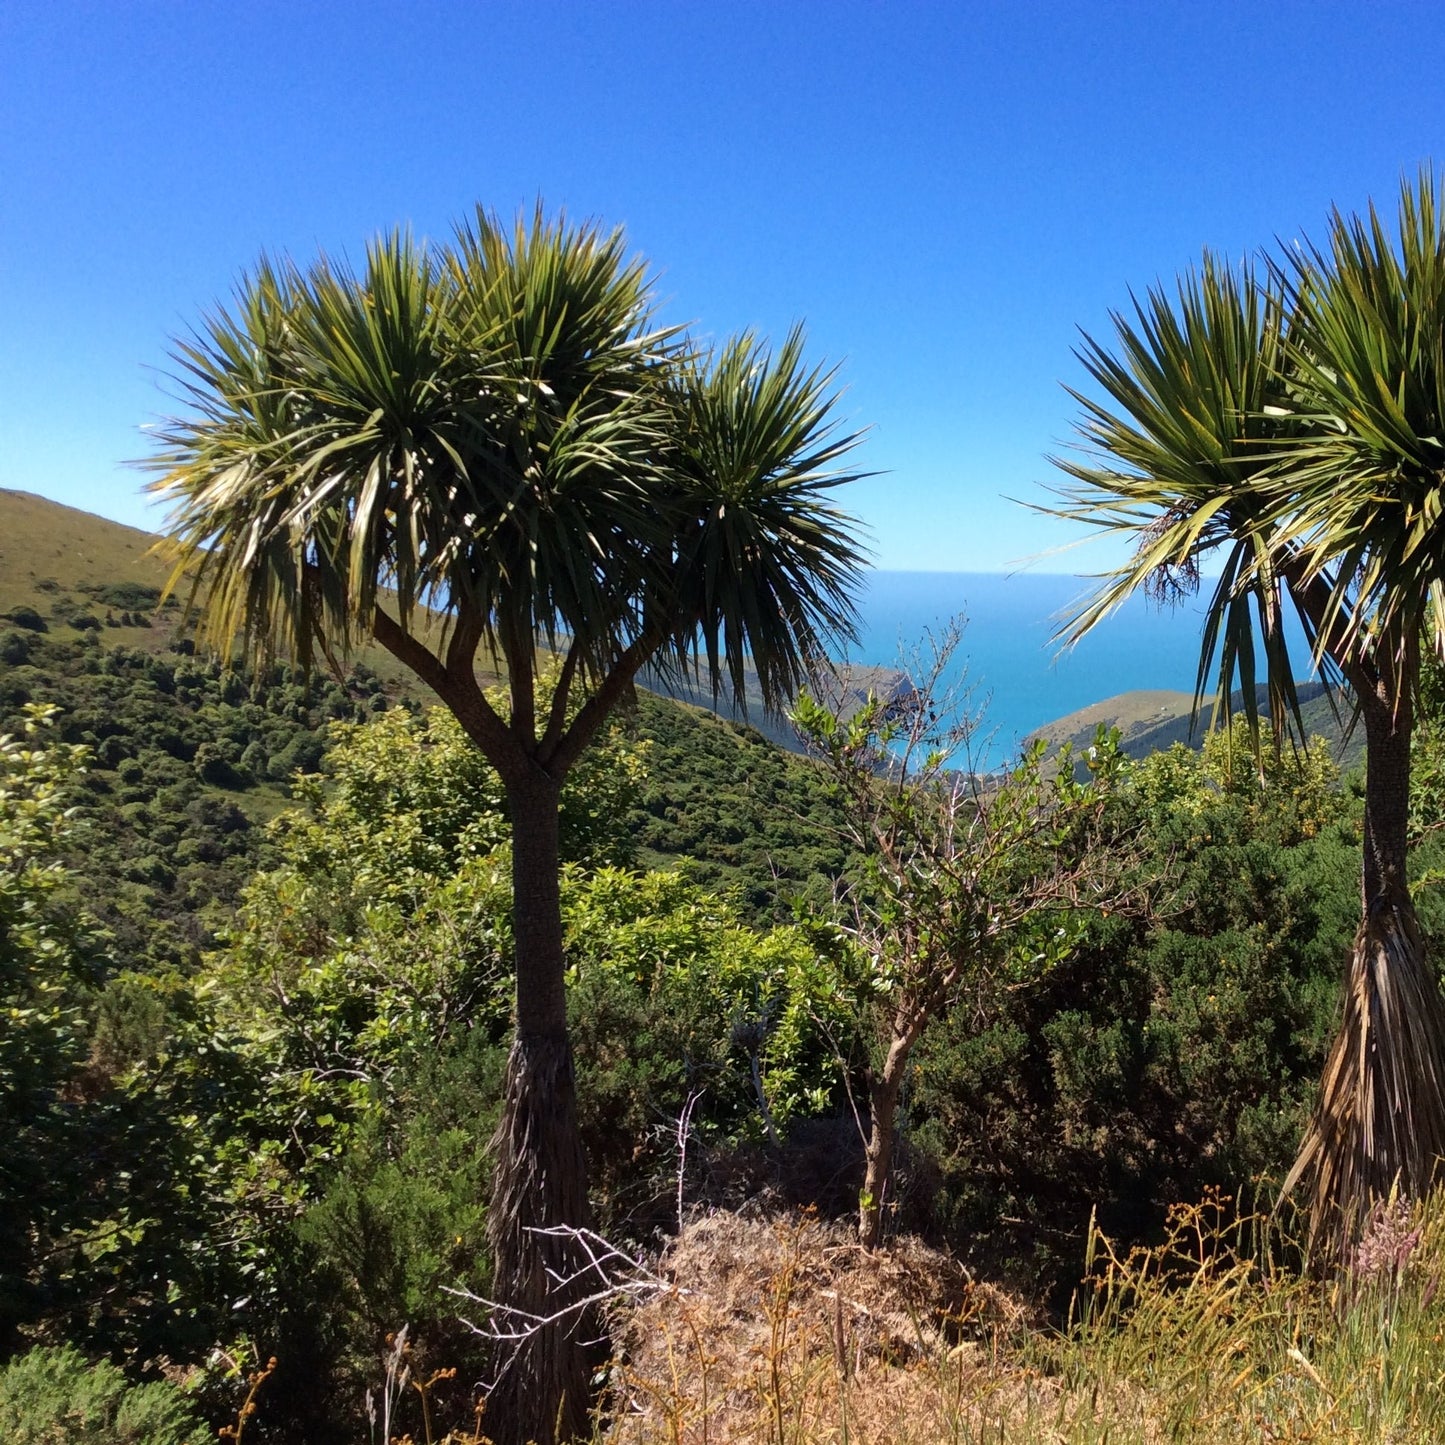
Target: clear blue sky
column 943, row 192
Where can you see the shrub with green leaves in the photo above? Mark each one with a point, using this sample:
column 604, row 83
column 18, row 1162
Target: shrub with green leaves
column 676, row 1004
column 50, row 961
column 55, row 1396
column 1163, row 1056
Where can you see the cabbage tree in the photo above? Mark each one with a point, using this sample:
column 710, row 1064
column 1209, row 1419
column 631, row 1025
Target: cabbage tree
column 1288, row 429
column 470, row 451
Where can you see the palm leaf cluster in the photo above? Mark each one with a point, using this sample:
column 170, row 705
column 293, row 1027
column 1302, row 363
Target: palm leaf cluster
column 501, row 430
column 1279, row 427
column 1283, row 422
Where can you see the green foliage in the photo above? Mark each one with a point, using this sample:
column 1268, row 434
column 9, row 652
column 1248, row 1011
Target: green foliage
column 131, row 596
column 750, row 819
column 972, row 886
column 1285, row 793
column 16, row 647
column 674, row 998
column 1427, row 752
column 383, row 934
column 49, row 969
column 170, row 801
column 400, row 1215
column 1163, row 1056
column 364, row 996
column 139, row 1193
column 55, row 1396
column 382, row 941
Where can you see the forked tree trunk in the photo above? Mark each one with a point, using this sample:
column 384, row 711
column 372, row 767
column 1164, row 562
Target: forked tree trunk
column 1379, row 1122
column 540, row 1177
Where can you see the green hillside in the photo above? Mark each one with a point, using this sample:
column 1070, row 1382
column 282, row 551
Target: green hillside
column 86, row 574
column 47, row 550
column 80, row 572
column 1152, row 721
column 188, row 760
column 1133, row 713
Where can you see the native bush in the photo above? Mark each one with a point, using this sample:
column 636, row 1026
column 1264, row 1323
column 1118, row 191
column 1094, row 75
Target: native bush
column 164, row 733
column 1164, row 1055
column 681, row 1012
column 55, row 1396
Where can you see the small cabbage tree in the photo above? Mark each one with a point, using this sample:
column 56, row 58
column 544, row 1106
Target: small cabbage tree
column 465, row 452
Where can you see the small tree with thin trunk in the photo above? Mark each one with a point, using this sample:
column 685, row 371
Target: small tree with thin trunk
column 972, row 882
column 465, row 452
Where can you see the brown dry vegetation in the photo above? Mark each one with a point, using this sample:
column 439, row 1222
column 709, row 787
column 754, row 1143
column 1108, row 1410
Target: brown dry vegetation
column 773, row 1328
column 784, row 1332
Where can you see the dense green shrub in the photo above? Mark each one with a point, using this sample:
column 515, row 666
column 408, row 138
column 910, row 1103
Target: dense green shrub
column 50, row 964
column 365, row 990
column 16, row 647
column 132, row 596
column 677, row 1004
column 55, row 1396
column 1169, row 1054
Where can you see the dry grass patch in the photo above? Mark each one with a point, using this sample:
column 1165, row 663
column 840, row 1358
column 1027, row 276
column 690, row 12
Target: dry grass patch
column 786, row 1333
column 788, row 1330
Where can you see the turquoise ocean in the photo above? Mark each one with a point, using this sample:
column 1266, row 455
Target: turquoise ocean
column 1018, row 675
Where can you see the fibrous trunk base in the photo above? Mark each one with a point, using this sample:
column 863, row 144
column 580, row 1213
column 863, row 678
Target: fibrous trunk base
column 540, row 1183
column 1379, row 1124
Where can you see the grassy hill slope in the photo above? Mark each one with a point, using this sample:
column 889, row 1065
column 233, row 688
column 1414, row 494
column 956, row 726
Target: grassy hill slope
column 1133, row 713
column 48, row 550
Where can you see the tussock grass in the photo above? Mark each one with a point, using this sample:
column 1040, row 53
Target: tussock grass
column 783, row 1334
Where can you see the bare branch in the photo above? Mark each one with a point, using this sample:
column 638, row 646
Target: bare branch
column 609, row 1275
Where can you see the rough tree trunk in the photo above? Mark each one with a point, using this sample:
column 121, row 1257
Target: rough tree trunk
column 884, row 1089
column 1380, row 1119
column 540, row 1176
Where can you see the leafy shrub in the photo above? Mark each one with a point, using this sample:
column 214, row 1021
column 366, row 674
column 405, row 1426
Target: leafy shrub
column 303, row 754
column 213, row 766
column 402, row 1215
column 54, row 1396
column 676, row 1003
column 28, row 618
column 1165, row 1055
column 132, row 596
column 49, row 966
column 16, row 647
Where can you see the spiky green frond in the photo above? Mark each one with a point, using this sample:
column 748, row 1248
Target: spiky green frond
column 767, row 564
column 472, row 428
column 1368, row 487
column 498, row 429
column 1191, row 415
